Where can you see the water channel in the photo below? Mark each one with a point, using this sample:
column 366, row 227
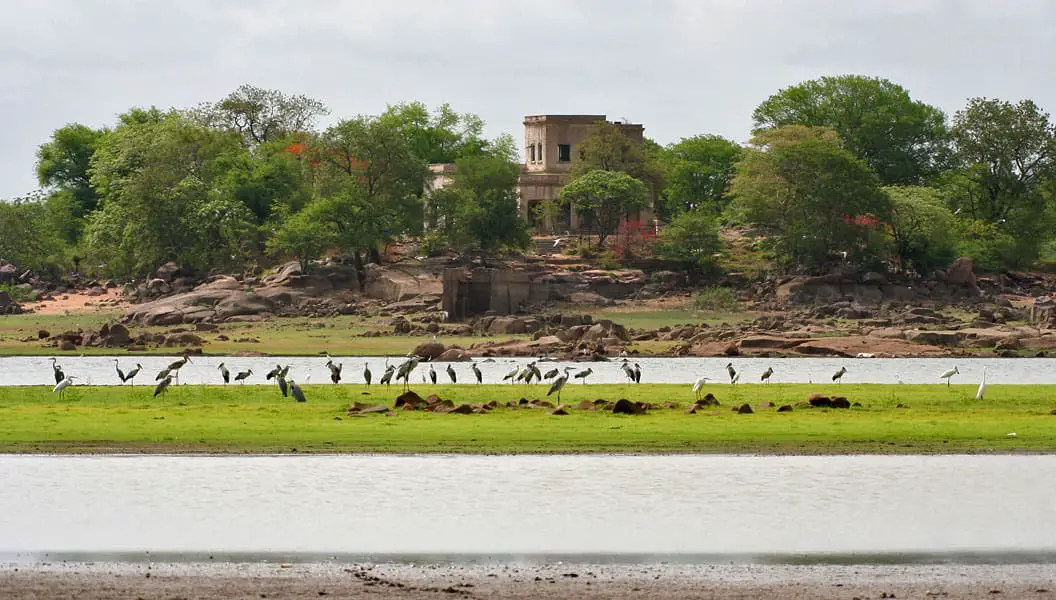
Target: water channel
column 710, row 507
column 99, row 370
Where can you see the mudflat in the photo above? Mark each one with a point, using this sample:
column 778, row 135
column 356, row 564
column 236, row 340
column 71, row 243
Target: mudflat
column 228, row 581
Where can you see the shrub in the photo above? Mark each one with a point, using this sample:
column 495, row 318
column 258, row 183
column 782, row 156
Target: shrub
column 691, row 239
column 716, row 298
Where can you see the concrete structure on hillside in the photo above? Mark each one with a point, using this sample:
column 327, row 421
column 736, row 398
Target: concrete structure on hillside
column 551, row 143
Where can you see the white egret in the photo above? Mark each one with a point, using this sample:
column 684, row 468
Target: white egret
column 698, row 385
column 61, row 386
column 982, row 387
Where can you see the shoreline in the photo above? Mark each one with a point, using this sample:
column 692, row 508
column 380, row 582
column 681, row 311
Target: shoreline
column 355, row 581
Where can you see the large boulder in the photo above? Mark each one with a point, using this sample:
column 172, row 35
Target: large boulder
column 167, row 272
column 961, row 273
column 604, row 329
column 242, row 303
column 429, row 350
column 395, row 285
column 453, row 355
column 117, row 335
column 853, row 345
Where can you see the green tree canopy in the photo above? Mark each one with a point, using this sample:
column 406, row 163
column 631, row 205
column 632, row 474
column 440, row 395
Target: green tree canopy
column 692, row 239
column 63, row 162
column 698, row 173
column 1007, row 158
column 608, row 148
column 442, row 137
column 923, row 230
column 900, row 138
column 605, row 198
column 260, row 115
column 814, row 198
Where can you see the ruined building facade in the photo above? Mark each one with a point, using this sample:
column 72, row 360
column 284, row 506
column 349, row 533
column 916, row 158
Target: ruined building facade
column 551, row 142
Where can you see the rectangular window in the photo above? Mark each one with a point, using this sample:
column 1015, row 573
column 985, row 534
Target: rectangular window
column 564, row 153
column 540, row 151
column 531, row 153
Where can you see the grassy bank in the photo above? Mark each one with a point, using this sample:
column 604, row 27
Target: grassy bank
column 256, row 419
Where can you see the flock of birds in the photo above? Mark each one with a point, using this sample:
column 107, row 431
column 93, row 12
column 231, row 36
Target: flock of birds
column 526, row 374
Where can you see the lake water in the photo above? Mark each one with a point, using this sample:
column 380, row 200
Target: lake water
column 99, row 370
column 707, row 506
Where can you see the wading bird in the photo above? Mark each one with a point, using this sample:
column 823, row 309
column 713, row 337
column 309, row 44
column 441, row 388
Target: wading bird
column 281, row 382
column 405, row 370
column 432, row 374
column 386, row 377
column 131, row 375
column 511, row 375
column 224, row 373
column 948, row 375
column 766, row 375
column 637, row 373
column 628, row 370
column 982, row 387
column 584, row 374
column 731, row 371
column 296, row 392
column 698, row 386
column 175, row 366
column 162, row 386
column 551, row 374
column 162, row 374
column 120, row 373
column 57, row 371
column 367, row 375
column 559, row 384
column 335, row 371
column 243, row 375
column 61, row 386
column 477, row 373
column 273, row 373
column 451, row 374
column 838, row 375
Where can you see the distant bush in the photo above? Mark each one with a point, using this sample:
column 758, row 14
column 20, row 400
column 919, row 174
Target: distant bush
column 18, row 294
column 716, row 298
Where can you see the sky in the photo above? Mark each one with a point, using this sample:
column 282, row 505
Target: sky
column 680, row 67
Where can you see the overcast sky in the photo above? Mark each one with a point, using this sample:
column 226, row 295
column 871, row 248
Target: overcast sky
column 680, row 67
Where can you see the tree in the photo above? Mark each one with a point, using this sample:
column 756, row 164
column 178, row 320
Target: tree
column 605, row 198
column 901, row 139
column 27, row 237
column 264, row 178
column 608, row 148
column 692, row 239
column 156, row 180
column 922, row 229
column 260, row 115
column 442, row 137
column 302, row 235
column 698, row 173
column 479, row 211
column 63, row 162
column 1007, row 158
column 815, row 199
column 376, row 156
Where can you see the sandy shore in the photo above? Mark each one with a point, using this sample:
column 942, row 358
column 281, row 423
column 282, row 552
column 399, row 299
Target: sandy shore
column 106, row 581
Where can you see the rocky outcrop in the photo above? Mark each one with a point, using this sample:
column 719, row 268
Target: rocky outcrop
column 398, row 284
column 7, row 305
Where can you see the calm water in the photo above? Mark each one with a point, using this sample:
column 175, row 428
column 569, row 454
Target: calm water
column 34, row 370
column 710, row 505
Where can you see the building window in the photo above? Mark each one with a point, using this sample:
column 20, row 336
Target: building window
column 564, row 153
column 540, row 155
column 531, row 153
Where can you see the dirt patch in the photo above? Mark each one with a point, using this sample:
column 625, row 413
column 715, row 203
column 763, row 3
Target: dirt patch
column 80, row 302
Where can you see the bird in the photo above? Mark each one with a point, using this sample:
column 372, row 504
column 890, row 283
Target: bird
column 513, row 373
column 584, row 374
column 558, row 242
column 477, row 373
column 175, row 366
column 296, row 391
column 432, row 374
column 731, row 371
column 335, row 371
column 559, row 384
column 698, row 385
column 898, row 378
column 948, row 375
column 224, row 373
column 243, row 375
column 367, row 375
column 120, row 373
column 131, row 375
column 162, row 386
column 982, row 387
column 838, row 375
column 552, row 373
column 628, row 370
column 451, row 374
column 767, row 374
column 637, row 373
column 735, row 379
column 281, row 382
column 162, row 374
column 57, row 371
column 61, row 386
column 405, row 370
column 386, row 377
column 273, row 373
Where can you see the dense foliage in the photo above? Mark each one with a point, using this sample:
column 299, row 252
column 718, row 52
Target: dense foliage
column 841, row 170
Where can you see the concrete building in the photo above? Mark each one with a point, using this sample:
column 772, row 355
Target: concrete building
column 551, row 143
